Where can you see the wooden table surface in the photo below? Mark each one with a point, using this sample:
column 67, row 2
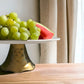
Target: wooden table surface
column 48, row 74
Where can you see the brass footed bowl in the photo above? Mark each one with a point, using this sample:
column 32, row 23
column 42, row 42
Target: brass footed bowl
column 17, row 60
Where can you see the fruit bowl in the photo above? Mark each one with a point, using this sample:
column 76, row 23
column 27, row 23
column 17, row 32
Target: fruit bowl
column 18, row 59
column 16, row 32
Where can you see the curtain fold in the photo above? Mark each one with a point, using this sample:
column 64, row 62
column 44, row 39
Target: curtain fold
column 48, row 17
column 62, row 47
column 67, row 27
column 61, row 17
column 72, row 27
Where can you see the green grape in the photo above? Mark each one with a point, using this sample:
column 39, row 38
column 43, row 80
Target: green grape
column 23, row 24
column 10, row 22
column 3, row 20
column 1, row 26
column 14, row 22
column 23, row 29
column 4, row 31
column 38, row 33
column 34, row 36
column 28, row 21
column 39, row 29
column 28, row 32
column 31, row 24
column 13, row 15
column 24, row 36
column 14, row 29
column 33, row 29
column 17, row 29
column 10, row 36
column 16, row 36
column 18, row 20
column 17, row 25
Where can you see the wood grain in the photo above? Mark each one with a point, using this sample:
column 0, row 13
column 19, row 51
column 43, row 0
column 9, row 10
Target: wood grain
column 48, row 74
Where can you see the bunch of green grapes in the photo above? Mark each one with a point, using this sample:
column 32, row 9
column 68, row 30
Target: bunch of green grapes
column 12, row 28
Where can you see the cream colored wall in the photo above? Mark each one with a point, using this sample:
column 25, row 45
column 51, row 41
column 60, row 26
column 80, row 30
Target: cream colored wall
column 26, row 9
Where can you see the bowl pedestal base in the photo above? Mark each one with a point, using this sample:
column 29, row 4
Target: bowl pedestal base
column 17, row 60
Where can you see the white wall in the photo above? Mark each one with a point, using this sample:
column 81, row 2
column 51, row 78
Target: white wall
column 26, row 9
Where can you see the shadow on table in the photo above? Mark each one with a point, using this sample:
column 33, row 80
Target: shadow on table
column 5, row 73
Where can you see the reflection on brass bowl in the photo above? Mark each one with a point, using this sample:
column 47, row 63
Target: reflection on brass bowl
column 17, row 60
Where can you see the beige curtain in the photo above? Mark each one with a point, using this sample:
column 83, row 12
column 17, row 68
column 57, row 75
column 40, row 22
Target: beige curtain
column 67, row 18
column 60, row 16
column 48, row 17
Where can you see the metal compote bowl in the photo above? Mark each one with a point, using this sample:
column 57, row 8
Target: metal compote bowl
column 18, row 59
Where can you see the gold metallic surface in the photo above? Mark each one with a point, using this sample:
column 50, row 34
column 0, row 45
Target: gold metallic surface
column 17, row 59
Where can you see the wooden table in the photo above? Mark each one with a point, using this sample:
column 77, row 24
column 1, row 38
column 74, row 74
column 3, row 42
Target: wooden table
column 48, row 74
